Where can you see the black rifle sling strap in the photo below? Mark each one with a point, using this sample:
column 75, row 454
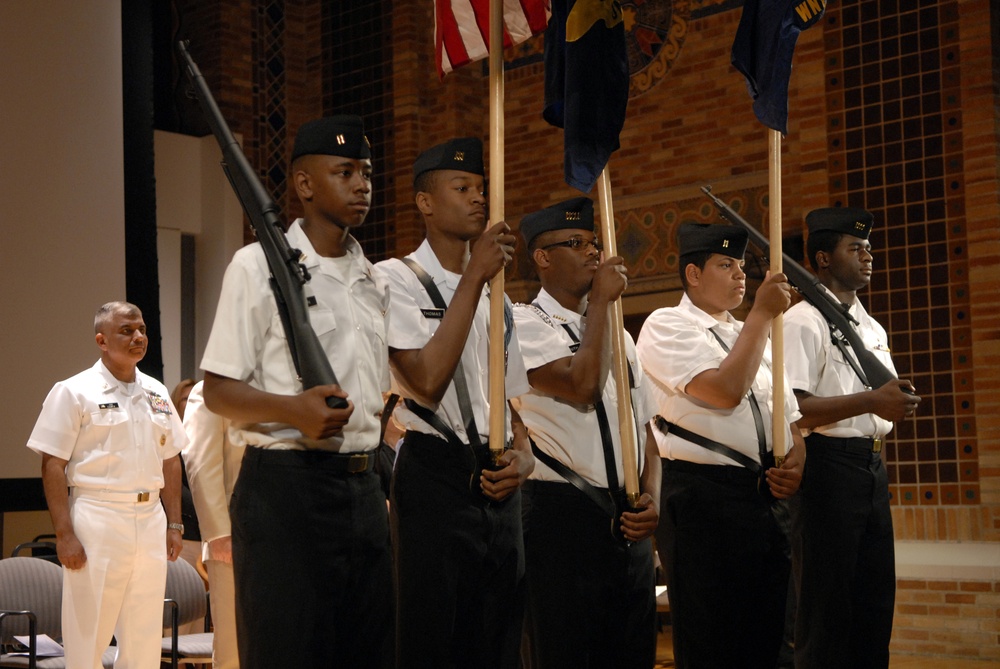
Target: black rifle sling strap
column 671, row 428
column 667, row 427
column 841, row 342
column 461, row 385
column 390, row 405
column 758, row 420
column 602, row 501
column 605, row 427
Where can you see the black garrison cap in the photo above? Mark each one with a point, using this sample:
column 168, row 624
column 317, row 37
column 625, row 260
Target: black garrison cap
column 342, row 135
column 575, row 214
column 464, row 154
column 845, row 220
column 727, row 240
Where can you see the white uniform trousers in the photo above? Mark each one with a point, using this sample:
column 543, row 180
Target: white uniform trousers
column 222, row 591
column 120, row 589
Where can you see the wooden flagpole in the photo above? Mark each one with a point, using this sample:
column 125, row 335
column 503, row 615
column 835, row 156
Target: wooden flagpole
column 778, row 419
column 626, row 419
column 497, row 395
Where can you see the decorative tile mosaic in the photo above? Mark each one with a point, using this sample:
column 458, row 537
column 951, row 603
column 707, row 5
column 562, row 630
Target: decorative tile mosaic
column 895, row 129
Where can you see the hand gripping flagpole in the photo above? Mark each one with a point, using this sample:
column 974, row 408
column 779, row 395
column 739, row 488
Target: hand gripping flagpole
column 778, row 418
column 497, row 395
column 626, row 419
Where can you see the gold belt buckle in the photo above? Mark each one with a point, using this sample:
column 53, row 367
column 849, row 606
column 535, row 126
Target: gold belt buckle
column 877, row 445
column 358, row 462
column 142, row 497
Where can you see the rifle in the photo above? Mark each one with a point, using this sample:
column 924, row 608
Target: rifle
column 288, row 275
column 809, row 286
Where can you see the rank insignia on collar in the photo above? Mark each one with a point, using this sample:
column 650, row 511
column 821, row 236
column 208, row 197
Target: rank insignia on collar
column 158, row 404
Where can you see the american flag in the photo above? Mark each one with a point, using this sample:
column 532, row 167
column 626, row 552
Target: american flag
column 461, row 28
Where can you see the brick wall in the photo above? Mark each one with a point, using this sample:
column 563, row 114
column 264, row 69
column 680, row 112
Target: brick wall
column 947, row 618
column 894, row 106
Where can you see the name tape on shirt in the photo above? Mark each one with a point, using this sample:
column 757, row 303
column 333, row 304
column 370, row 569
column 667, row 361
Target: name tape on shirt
column 574, row 347
column 433, row 313
column 109, row 405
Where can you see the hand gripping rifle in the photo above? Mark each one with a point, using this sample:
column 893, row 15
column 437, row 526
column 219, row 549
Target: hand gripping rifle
column 288, row 275
column 836, row 313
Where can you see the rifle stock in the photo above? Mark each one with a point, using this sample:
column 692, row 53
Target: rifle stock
column 287, row 274
column 809, row 286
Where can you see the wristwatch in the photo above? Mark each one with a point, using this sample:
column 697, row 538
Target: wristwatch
column 176, row 526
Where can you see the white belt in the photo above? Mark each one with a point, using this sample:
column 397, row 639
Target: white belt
column 115, row 496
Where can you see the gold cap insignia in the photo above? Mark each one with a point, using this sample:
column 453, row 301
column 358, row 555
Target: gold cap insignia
column 459, row 155
column 572, row 216
column 341, row 140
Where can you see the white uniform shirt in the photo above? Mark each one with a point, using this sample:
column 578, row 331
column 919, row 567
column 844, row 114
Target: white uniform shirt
column 674, row 346
column 814, row 364
column 567, row 431
column 414, row 320
column 213, row 464
column 112, row 440
column 248, row 342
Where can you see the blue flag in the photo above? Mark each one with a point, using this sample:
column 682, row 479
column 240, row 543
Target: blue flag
column 763, row 48
column 586, row 84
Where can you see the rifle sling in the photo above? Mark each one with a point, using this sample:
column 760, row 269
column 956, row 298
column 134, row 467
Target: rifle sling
column 606, row 443
column 712, row 445
column 843, row 345
column 687, row 435
column 758, row 420
column 581, row 484
column 461, row 386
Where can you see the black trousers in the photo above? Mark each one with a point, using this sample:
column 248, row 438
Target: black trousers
column 845, row 561
column 459, row 560
column 727, row 567
column 590, row 596
column 312, row 564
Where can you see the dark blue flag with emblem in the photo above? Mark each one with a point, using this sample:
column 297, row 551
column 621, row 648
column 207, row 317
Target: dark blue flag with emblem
column 586, row 84
column 763, row 48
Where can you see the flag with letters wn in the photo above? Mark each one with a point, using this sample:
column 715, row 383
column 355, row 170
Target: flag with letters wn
column 586, row 84
column 763, row 48
column 462, row 28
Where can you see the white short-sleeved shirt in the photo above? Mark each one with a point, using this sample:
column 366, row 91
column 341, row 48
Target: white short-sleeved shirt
column 567, row 431
column 114, row 436
column 814, row 364
column 349, row 315
column 414, row 320
column 674, row 346
column 213, row 465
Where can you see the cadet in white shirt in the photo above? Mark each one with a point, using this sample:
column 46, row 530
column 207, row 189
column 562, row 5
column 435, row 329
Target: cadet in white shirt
column 213, row 465
column 724, row 552
column 456, row 518
column 844, row 540
column 596, row 609
column 310, row 530
column 111, row 435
